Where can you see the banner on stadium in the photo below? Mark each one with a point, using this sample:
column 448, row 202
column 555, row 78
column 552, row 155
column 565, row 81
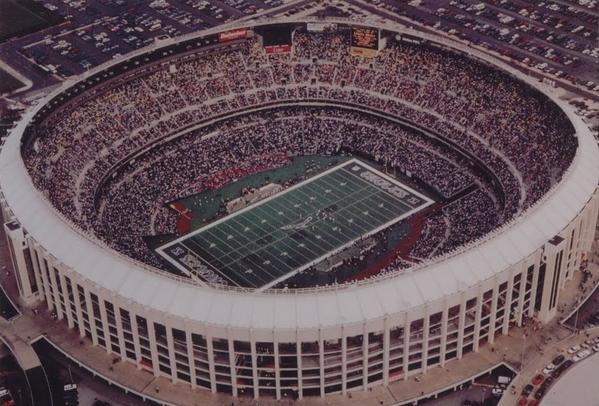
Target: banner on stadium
column 365, row 41
column 321, row 27
column 232, row 35
column 408, row 38
column 277, row 49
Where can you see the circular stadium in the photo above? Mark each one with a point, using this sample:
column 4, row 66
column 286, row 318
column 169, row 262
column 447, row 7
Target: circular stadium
column 299, row 209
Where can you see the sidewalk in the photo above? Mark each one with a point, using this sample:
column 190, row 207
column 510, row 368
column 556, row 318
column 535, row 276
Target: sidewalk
column 557, row 339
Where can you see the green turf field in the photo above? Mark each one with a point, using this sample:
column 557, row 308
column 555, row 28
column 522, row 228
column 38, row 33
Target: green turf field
column 208, row 205
column 273, row 239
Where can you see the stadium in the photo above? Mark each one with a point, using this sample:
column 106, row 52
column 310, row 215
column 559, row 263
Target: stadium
column 298, row 209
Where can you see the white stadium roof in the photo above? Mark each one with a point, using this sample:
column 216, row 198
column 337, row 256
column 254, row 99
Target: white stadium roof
column 298, row 311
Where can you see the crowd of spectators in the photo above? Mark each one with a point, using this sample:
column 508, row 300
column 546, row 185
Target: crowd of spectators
column 236, row 109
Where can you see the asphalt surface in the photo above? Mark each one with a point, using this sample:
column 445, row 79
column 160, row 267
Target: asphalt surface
column 94, row 32
column 7, row 310
column 62, row 371
column 13, row 378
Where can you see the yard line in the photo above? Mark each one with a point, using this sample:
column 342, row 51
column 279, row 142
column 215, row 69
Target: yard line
column 360, row 208
column 194, row 253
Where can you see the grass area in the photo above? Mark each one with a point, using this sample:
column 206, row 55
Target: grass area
column 8, row 83
column 18, row 18
column 208, row 205
column 294, row 229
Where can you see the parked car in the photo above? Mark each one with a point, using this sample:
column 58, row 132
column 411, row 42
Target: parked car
column 527, row 390
column 548, row 369
column 538, row 379
column 581, row 355
column 596, row 348
column 540, row 392
column 558, row 360
column 574, row 349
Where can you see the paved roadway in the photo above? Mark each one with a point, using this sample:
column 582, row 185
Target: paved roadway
column 576, row 387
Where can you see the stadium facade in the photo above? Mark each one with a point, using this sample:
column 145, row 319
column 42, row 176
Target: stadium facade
column 311, row 342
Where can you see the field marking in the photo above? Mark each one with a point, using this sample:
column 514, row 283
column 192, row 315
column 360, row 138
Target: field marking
column 257, row 216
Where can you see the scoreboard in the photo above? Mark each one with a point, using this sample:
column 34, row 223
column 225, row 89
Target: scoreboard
column 365, row 37
column 365, row 41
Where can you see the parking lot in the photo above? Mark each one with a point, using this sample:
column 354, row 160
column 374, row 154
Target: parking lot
column 557, row 38
column 94, row 32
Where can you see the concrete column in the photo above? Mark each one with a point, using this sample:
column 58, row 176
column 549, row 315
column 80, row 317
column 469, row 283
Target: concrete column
column 461, row 327
column 17, row 243
column 190, row 357
column 119, row 328
column 477, row 319
column 135, row 333
column 90, row 315
column 56, row 297
column 233, row 366
column 425, row 335
column 321, row 361
column 443, row 349
column 170, row 345
column 78, row 309
column 46, row 284
column 105, row 329
column 406, row 347
column 364, row 357
column 300, row 384
column 524, row 270
column 533, row 292
column 343, row 361
column 65, row 295
column 153, row 347
column 254, row 366
column 211, row 368
column 493, row 315
column 277, row 366
column 507, row 313
column 386, row 350
column 34, row 250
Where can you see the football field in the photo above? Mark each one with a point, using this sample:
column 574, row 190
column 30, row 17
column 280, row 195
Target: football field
column 275, row 238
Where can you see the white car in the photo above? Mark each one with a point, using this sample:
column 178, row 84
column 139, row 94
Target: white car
column 548, row 368
column 596, row 348
column 574, row 349
column 581, row 355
